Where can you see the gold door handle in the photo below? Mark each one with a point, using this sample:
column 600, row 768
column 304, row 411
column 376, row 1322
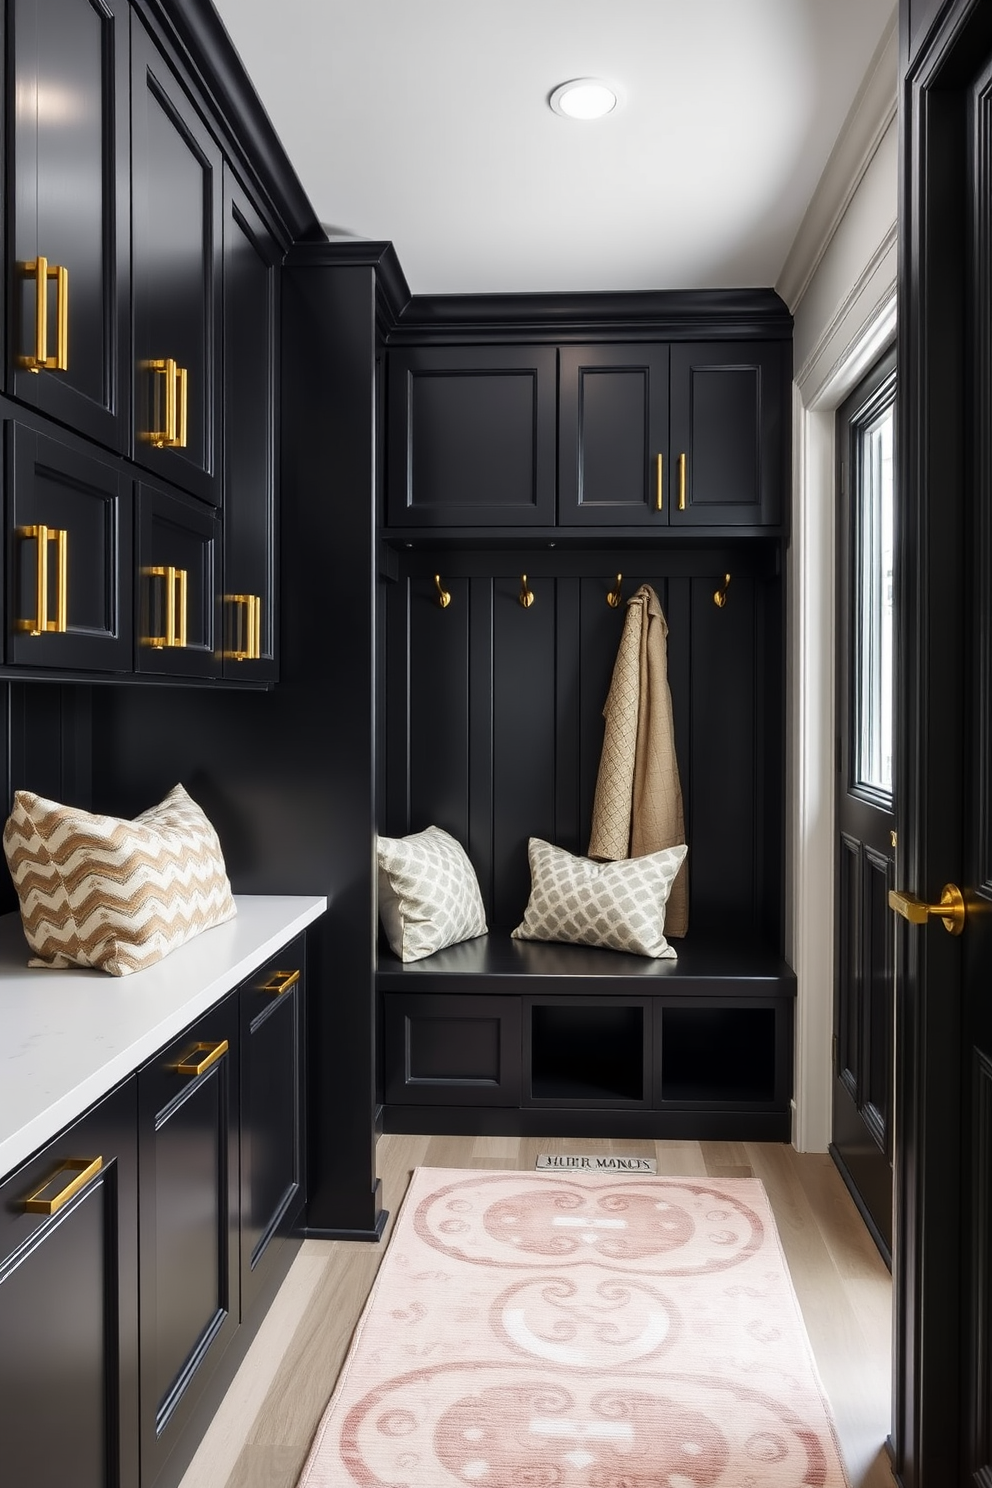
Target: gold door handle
column 41, row 271
column 175, row 607
column 191, row 1065
column 280, row 982
column 682, row 482
column 175, row 389
column 246, row 638
column 659, row 490
column 950, row 910
column 41, row 623
column 84, row 1169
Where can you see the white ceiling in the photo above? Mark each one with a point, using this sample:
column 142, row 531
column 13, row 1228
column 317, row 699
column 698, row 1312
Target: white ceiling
column 426, row 122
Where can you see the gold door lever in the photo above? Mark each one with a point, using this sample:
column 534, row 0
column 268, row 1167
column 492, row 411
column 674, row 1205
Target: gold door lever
column 917, row 912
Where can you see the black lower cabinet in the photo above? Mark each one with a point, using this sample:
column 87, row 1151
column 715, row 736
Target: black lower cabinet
column 68, row 1307
column 272, row 1187
column 189, row 1231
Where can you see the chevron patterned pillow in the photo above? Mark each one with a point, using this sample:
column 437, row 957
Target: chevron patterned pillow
column 618, row 905
column 112, row 894
column 428, row 893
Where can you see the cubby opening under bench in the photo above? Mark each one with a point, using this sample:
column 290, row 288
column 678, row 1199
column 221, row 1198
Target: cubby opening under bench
column 505, row 1037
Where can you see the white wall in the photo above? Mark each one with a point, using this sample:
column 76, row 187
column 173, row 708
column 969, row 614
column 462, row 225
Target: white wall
column 839, row 282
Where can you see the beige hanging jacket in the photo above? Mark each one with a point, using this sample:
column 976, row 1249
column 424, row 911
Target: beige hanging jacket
column 638, row 803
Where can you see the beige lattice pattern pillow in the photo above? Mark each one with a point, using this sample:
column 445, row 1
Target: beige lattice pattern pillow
column 428, row 894
column 619, row 905
column 117, row 895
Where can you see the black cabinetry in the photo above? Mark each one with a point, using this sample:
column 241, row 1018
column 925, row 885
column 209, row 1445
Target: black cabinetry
column 68, row 290
column 188, row 1100
column 69, row 555
column 68, row 1306
column 178, row 565
column 176, row 203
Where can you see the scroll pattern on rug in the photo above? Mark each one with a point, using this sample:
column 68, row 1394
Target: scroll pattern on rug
column 579, row 1332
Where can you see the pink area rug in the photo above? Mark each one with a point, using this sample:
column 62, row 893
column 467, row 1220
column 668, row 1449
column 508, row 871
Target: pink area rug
column 529, row 1330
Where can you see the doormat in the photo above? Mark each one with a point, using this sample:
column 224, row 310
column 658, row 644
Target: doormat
column 591, row 1163
column 579, row 1330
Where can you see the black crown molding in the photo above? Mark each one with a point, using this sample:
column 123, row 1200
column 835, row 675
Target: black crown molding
column 195, row 29
column 393, row 292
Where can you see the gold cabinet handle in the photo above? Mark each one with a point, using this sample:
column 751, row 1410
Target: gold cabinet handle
column 84, row 1169
column 41, row 271
column 682, row 482
column 950, row 910
column 175, row 400
column 190, row 1065
column 176, row 594
column 41, row 623
column 280, row 982
column 659, row 484
column 246, row 628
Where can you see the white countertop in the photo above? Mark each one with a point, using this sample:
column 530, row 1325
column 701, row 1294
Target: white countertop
column 67, row 1037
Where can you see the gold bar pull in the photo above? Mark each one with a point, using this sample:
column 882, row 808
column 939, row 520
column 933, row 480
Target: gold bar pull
column 179, row 442
column 84, row 1169
column 60, row 361
column 659, row 484
column 180, row 604
column 682, row 482
column 40, row 267
column 190, row 1065
column 175, row 405
column 41, row 623
column 246, row 638
column 280, row 982
column 174, row 595
column 950, row 910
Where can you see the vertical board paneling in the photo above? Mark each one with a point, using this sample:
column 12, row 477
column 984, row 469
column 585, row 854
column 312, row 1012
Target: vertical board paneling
column 722, row 848
column 599, row 636
column 479, row 738
column 523, row 738
column 571, row 757
column 439, row 672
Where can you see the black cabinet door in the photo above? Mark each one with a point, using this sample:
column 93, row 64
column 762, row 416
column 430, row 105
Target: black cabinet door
column 188, row 1242
column 69, row 1307
column 729, row 434
column 251, row 259
column 472, row 437
column 176, row 200
column 614, row 467
column 447, row 1050
column 69, row 564
column 177, row 593
column 69, row 199
column 272, row 1191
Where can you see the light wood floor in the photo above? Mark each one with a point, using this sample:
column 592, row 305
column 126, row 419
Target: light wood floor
column 261, row 1434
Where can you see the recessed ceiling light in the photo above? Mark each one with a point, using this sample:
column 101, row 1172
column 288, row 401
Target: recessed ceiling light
column 584, row 98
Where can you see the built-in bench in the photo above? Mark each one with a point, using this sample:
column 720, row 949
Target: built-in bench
column 506, row 1037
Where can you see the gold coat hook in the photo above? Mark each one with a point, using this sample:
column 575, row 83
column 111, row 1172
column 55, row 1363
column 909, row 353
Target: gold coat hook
column 526, row 596
column 615, row 597
column 720, row 595
column 443, row 597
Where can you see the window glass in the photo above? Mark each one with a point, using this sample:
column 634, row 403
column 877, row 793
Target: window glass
column 872, row 622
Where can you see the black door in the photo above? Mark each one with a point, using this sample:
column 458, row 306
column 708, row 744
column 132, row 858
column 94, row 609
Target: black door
column 943, row 1243
column 176, row 585
column 614, row 462
column 188, row 1201
column 69, row 561
column 251, row 259
column 69, row 1307
column 69, row 235
column 865, row 796
column 176, row 245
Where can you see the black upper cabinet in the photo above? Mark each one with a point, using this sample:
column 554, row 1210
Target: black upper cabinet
column 251, row 259
column 472, row 437
column 178, row 567
column 613, row 435
column 727, row 464
column 177, row 194
column 68, row 279
column 685, row 436
column 69, row 567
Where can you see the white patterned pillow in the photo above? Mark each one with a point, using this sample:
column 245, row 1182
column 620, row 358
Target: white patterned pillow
column 428, row 894
column 113, row 894
column 619, row 905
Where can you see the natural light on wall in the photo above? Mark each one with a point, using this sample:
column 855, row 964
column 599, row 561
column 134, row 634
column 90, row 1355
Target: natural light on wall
column 873, row 740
